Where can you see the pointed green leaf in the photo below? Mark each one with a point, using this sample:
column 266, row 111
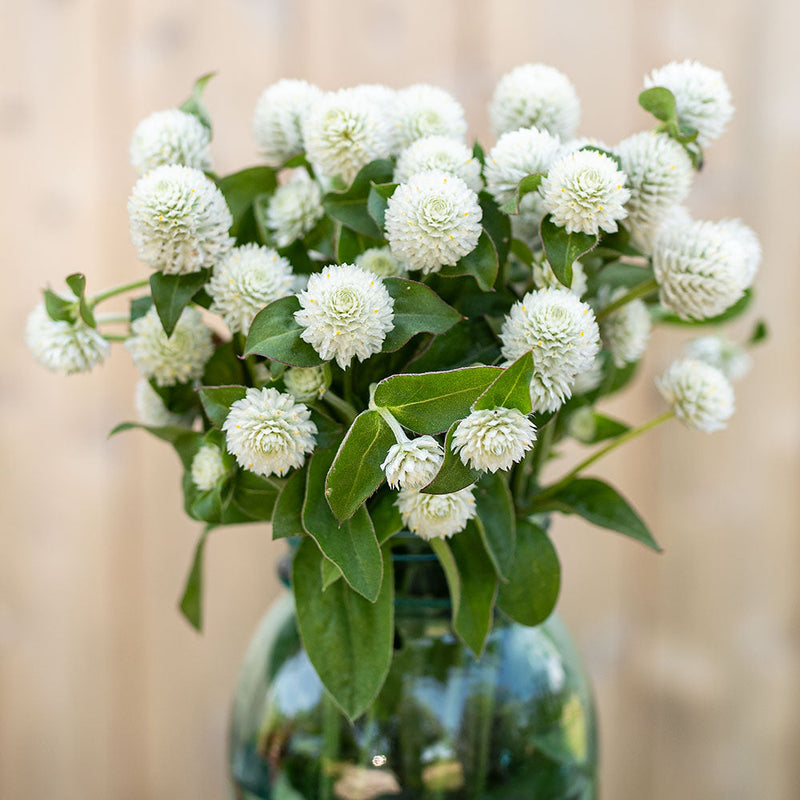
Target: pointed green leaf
column 497, row 225
column 330, row 573
column 495, row 509
column 57, row 307
column 195, row 105
column 378, row 201
column 76, row 283
column 350, row 206
column 660, row 314
column 511, row 389
column 217, row 401
column 467, row 342
column 172, row 293
column 453, row 475
column 191, row 603
column 242, row 189
column 256, row 496
column 140, row 306
column 482, row 263
column 287, row 518
column 760, row 333
column 350, row 244
column 522, row 252
column 660, row 102
column 477, row 152
column 530, row 183
column 562, row 248
column 224, row 368
column 385, row 517
column 275, row 334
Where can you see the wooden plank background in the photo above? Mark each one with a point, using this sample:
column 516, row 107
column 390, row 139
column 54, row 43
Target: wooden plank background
column 104, row 691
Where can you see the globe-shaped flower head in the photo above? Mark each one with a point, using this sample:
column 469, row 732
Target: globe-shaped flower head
column 443, row 153
column 435, row 515
column 730, row 358
column 151, row 410
column 699, row 394
column 422, row 110
column 345, row 312
column 170, row 137
column 493, row 438
column 179, row 220
column 306, row 383
column 208, row 467
column 381, row 262
column 433, row 220
column 294, row 209
column 413, row 463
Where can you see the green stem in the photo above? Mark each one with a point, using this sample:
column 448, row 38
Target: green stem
column 115, row 290
column 111, row 318
column 346, row 411
column 114, row 337
column 389, row 419
column 642, row 290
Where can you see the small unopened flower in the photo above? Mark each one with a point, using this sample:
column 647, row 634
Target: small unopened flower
column 562, row 334
column 249, row 278
column 493, row 438
column 345, row 312
column 179, row 220
column 61, row 346
column 278, row 119
column 443, row 153
column 305, row 384
column 626, row 331
column 545, row 278
column 535, row 94
column 294, row 209
column 728, row 357
column 702, row 98
column 151, row 410
column 208, row 467
column 433, row 220
column 175, row 359
column 585, row 192
column 699, row 394
column 413, row 463
column 435, row 515
column 381, row 262
column 268, row 432
column 170, row 137
column 422, row 110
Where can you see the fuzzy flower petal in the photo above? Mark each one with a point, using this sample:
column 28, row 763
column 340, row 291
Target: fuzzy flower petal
column 414, row 463
column 729, row 358
column 170, row 137
column 442, row 153
column 151, row 410
column 268, row 432
column 433, row 220
column 699, row 394
column 381, row 262
column 346, row 312
column 305, row 384
column 435, row 515
column 179, row 220
column 208, row 467
column 563, row 336
column 424, row 110
column 625, row 332
column 249, row 278
column 493, row 438
column 177, row 359
column 294, row 209
column 535, row 94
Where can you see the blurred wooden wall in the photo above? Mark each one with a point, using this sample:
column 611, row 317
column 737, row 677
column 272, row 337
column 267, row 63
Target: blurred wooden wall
column 104, row 691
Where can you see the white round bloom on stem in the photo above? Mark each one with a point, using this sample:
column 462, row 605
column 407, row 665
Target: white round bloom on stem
column 700, row 269
column 378, row 95
column 545, row 278
column 563, row 336
column 699, row 394
column 268, row 432
column 743, row 239
column 432, row 516
column 422, row 110
column 294, row 209
column 702, row 98
column 493, row 438
column 626, row 331
column 249, row 278
column 345, row 312
column 442, row 153
column 585, row 192
column 305, row 383
column 170, row 360
column 343, row 132
column 179, row 220
column 151, row 410
column 535, row 94
column 208, row 467
column 413, row 463
column 61, row 346
column 381, row 262
column 433, row 220
column 278, row 119
column 170, row 137
column 729, row 358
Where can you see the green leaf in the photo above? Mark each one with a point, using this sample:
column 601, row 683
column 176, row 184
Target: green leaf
column 349, row 640
column 356, row 471
column 352, row 546
column 275, row 334
column 255, row 496
column 482, row 263
column 217, row 401
column 241, row 190
column 530, row 183
column 76, row 283
column 660, row 102
column 588, row 427
column 185, row 441
column 453, row 475
column 172, row 293
column 660, row 314
column 417, row 309
column 57, row 307
column 330, row 573
column 534, row 580
column 180, row 398
column 522, row 252
column 760, row 333
column 140, row 306
column 616, row 275
column 350, row 207
column 195, row 105
column 495, row 509
column 562, row 249
column 378, row 202
column 329, row 432
column 224, row 368
column 350, row 244
column 386, row 517
column 430, row 402
column 191, row 603
column 511, row 389
column 466, row 343
column 496, row 224
column 287, row 518
column 477, row 152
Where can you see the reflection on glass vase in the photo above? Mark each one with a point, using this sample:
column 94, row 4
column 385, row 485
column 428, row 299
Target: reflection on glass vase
column 518, row 724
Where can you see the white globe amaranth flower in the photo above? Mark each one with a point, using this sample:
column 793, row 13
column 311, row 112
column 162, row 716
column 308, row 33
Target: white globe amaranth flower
column 432, row 516
column 343, row 132
column 151, row 410
column 345, row 312
column 699, row 394
column 433, row 221
column 179, row 220
column 625, row 332
column 413, row 463
column 170, row 360
column 170, row 137
column 278, row 119
column 545, row 278
column 535, row 95
column 442, row 153
column 731, row 359
column 591, row 378
column 581, row 143
column 700, row 269
column 268, row 432
column 61, row 346
column 585, row 192
column 422, row 110
column 305, row 383
column 493, row 438
column 743, row 239
column 378, row 95
column 294, row 209
column 563, row 336
column 381, row 262
column 208, row 467
column 247, row 279
column 702, row 98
